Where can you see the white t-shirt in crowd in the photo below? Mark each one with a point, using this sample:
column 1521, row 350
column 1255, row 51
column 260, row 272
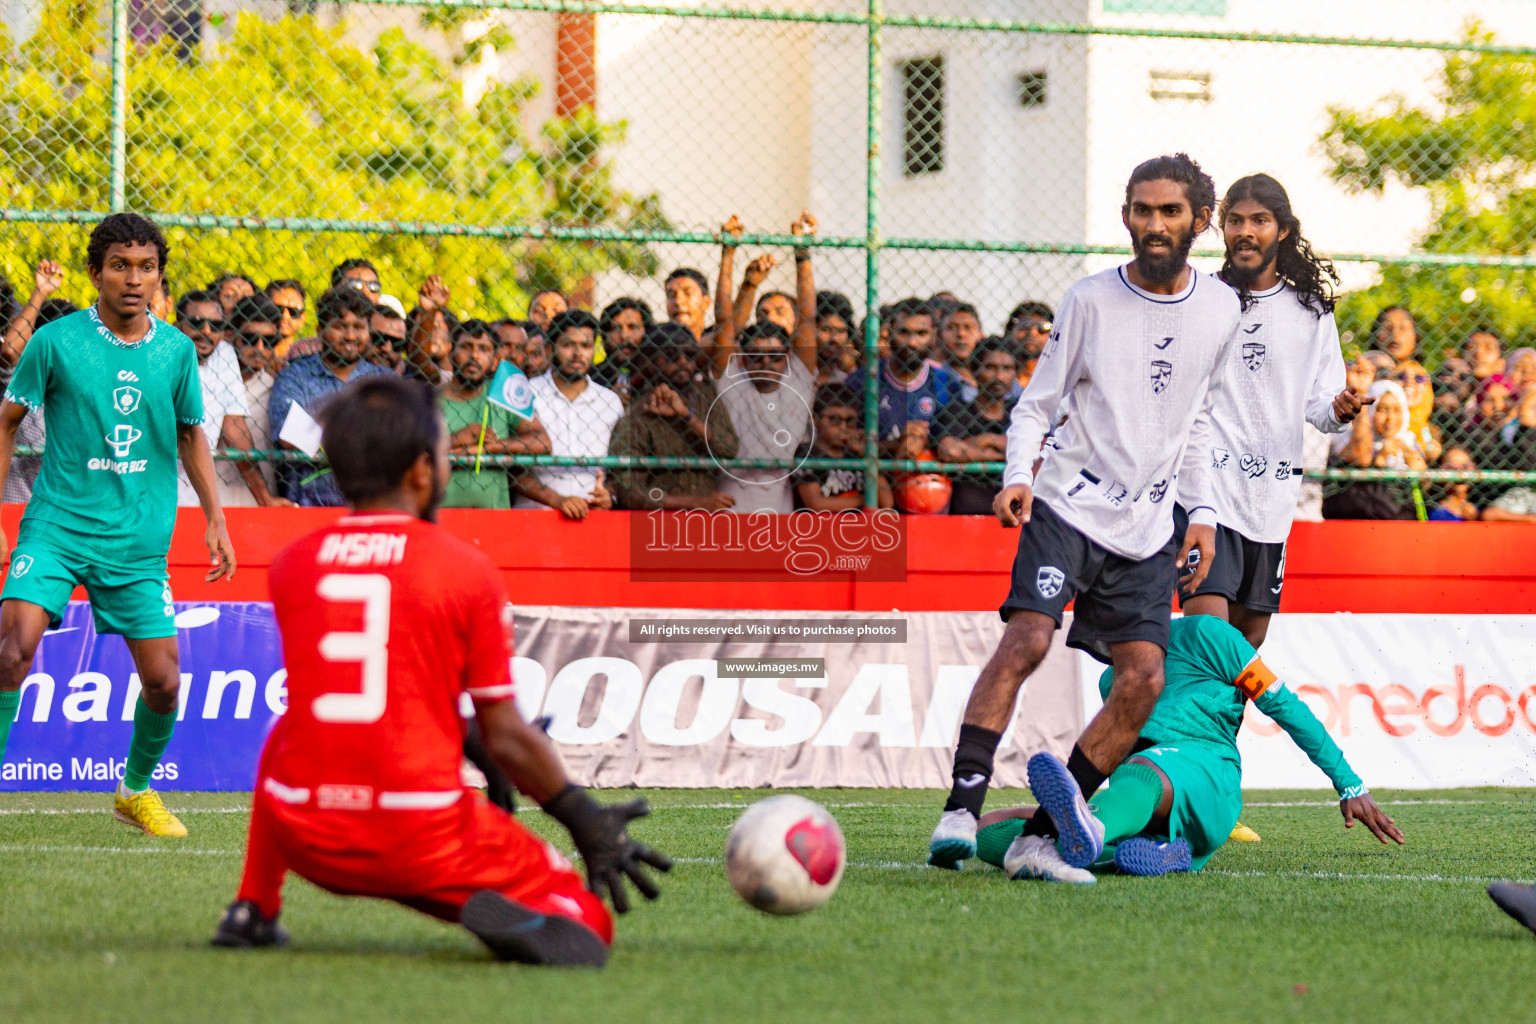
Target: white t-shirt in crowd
column 769, row 425
column 576, row 427
column 1282, row 374
column 223, row 395
column 258, row 394
column 1136, row 374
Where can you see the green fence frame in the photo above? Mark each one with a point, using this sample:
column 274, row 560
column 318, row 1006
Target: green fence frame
column 874, row 20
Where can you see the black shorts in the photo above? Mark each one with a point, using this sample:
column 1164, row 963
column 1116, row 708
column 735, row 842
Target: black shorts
column 1244, row 572
column 1118, row 599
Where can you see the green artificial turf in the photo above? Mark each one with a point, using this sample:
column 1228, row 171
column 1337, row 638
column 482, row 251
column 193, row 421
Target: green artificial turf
column 99, row 923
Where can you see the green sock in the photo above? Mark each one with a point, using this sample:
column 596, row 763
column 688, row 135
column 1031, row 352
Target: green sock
column 1129, row 802
column 10, row 700
column 151, row 735
column 993, row 840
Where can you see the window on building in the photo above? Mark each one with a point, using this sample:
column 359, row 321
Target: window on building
column 922, row 115
column 1180, row 85
column 1032, row 89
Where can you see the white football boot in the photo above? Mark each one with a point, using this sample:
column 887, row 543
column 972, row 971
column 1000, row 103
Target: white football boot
column 1037, row 857
column 954, row 840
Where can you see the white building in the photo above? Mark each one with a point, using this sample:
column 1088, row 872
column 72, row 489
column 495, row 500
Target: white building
column 1037, row 133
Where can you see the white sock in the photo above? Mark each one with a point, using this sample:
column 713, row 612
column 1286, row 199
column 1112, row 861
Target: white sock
column 124, row 792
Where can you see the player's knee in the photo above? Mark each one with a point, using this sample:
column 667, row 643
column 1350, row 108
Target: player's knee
column 1139, row 686
column 1256, row 632
column 161, row 688
column 15, row 660
column 1023, row 647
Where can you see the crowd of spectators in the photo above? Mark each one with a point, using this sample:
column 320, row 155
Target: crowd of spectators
column 728, row 373
column 1476, row 411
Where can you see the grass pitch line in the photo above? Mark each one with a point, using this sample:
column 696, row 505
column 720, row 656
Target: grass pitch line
column 1379, row 803
column 1344, row 876
column 879, row 865
column 99, row 810
column 24, row 848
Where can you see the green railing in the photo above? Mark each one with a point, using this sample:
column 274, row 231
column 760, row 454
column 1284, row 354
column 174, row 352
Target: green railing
column 1439, row 254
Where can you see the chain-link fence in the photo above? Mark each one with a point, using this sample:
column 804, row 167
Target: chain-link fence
column 418, row 187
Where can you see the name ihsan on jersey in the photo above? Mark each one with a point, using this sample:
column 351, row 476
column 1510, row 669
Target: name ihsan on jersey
column 119, row 467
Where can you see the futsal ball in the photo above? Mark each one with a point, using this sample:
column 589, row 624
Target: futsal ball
column 785, row 855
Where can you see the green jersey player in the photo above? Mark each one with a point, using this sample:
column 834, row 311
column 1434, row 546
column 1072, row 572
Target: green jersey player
column 1172, row 804
column 123, row 401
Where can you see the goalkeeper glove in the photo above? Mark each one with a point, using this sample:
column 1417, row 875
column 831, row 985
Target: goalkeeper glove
column 601, row 837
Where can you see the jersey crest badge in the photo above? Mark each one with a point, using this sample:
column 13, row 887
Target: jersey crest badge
column 1253, row 354
column 1048, row 581
column 20, row 564
column 1162, row 373
column 125, row 400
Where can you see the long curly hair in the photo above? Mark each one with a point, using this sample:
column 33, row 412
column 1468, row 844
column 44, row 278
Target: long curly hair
column 1312, row 277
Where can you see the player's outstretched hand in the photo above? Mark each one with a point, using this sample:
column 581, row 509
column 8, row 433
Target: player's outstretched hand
column 601, row 835
column 1012, row 504
column 1201, row 539
column 221, row 552
column 1362, row 808
column 1347, row 405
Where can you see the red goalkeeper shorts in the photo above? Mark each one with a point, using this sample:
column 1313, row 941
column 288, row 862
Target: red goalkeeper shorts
column 429, row 860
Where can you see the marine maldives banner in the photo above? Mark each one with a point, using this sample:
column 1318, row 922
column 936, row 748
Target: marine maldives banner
column 76, row 714
column 661, row 697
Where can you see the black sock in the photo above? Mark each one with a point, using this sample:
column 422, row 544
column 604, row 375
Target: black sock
column 973, row 769
column 1040, row 825
column 1088, row 776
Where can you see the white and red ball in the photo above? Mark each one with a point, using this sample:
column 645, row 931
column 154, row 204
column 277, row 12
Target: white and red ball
column 785, row 855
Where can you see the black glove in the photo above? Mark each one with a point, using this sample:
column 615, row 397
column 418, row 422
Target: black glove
column 599, row 831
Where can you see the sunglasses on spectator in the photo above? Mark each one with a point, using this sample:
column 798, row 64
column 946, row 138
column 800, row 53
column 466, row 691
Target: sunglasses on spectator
column 200, row 322
column 1043, row 326
column 255, row 338
column 840, row 421
column 765, row 357
column 382, row 340
column 365, row 286
column 297, row 312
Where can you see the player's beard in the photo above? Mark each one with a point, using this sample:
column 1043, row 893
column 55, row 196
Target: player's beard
column 1162, row 269
column 435, row 502
column 1241, row 277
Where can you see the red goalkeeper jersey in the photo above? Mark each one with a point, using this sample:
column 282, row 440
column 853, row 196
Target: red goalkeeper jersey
column 386, row 621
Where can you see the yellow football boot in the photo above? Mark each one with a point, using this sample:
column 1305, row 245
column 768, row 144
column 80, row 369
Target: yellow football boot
column 1243, row 834
column 146, row 811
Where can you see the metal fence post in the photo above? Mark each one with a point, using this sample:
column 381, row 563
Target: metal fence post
column 119, row 168
column 872, row 265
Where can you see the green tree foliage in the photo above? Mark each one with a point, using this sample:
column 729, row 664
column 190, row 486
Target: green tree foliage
column 1474, row 154
column 292, row 118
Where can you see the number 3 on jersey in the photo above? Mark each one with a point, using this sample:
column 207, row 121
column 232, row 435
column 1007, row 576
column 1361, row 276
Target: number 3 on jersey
column 368, row 649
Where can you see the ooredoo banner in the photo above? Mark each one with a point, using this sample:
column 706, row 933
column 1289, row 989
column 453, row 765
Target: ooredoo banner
column 658, row 697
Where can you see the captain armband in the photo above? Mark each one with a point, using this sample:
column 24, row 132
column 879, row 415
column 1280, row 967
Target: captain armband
column 1255, row 679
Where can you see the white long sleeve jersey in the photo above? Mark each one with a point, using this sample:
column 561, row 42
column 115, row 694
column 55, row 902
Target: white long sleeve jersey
column 1283, row 373
column 1135, row 374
